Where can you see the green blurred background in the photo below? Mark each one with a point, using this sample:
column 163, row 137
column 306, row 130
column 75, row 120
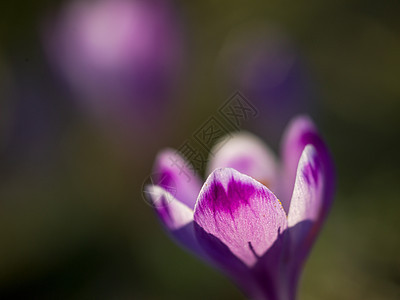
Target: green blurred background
column 73, row 223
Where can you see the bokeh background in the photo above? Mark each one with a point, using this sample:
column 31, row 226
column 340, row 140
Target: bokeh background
column 73, row 222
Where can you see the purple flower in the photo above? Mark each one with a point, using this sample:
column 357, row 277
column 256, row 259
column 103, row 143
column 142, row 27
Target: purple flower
column 265, row 64
column 122, row 57
column 236, row 222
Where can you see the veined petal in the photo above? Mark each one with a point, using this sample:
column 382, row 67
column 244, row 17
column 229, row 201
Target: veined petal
column 247, row 154
column 176, row 175
column 307, row 198
column 241, row 212
column 301, row 132
column 305, row 212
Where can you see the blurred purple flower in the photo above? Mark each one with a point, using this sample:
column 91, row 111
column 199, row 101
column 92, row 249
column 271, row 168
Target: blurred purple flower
column 123, row 57
column 264, row 64
column 236, row 222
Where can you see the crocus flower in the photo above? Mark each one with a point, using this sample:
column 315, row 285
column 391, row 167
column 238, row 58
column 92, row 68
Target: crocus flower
column 264, row 63
column 235, row 220
column 122, row 58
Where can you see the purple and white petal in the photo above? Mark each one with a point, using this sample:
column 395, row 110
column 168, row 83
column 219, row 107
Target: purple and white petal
column 307, row 198
column 173, row 213
column 247, row 154
column 176, row 217
column 299, row 133
column 241, row 212
column 176, row 175
column 305, row 212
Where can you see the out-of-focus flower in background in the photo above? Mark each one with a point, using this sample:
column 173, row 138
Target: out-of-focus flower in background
column 236, row 221
column 263, row 62
column 123, row 59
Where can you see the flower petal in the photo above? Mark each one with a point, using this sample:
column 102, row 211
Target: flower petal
column 261, row 281
column 176, row 217
column 306, row 202
column 247, row 154
column 173, row 213
column 301, row 132
column 241, row 212
column 175, row 175
column 305, row 212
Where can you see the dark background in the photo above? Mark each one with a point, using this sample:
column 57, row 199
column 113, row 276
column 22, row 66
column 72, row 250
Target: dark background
column 73, row 223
